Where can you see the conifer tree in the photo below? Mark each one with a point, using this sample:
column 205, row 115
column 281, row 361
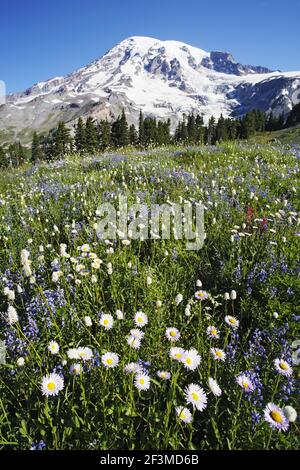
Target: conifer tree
column 141, row 138
column 36, row 149
column 91, row 139
column 80, row 138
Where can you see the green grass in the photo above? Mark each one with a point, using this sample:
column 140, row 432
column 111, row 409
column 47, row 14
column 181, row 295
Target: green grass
column 44, row 207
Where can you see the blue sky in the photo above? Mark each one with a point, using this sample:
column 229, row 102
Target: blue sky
column 40, row 40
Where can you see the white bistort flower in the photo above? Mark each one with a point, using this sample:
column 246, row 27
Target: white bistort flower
column 52, row 384
column 12, row 315
column 88, row 321
column 290, row 413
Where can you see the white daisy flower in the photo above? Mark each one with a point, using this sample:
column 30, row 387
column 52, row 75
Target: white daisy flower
column 172, row 334
column 178, row 299
column 176, row 353
column 107, row 321
column 164, row 375
column 191, row 359
column 214, row 387
column 85, row 354
column 110, row 360
column 142, row 381
column 213, row 332
column 75, row 369
column 232, row 321
column 52, row 384
column 184, row 414
column 137, row 333
column 283, row 367
column 53, row 347
column 133, row 342
column 245, row 383
column 140, row 319
column 218, row 354
column 85, row 248
column 195, row 396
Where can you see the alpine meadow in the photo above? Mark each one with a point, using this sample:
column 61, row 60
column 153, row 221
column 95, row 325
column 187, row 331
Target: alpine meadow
column 149, row 235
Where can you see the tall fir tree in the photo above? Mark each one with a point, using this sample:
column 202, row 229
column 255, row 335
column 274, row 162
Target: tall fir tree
column 80, row 137
column 36, row 149
column 91, row 138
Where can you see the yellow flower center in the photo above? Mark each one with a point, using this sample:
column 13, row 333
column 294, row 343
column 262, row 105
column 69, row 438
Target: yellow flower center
column 213, row 331
column 178, row 355
column 82, row 354
column 109, row 361
column 139, row 319
column 183, row 415
column 195, row 396
column 219, row 353
column 283, row 365
column 276, row 415
column 51, row 386
column 173, row 333
column 232, row 320
column 245, row 384
column 142, row 381
column 189, row 360
column 105, row 322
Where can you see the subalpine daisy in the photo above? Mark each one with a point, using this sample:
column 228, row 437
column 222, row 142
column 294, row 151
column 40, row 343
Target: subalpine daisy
column 218, row 354
column 195, row 396
column 53, row 347
column 85, row 354
column 107, row 321
column 52, row 384
column 232, row 321
column 184, row 414
column 214, row 387
column 212, row 332
column 283, row 367
column 191, row 359
column 132, row 368
column 275, row 417
column 110, row 360
column 164, row 375
column 172, row 334
column 142, row 381
column 137, row 333
column 140, row 319
column 85, row 248
column 176, row 353
column 75, row 369
column 201, row 295
column 133, row 342
column 245, row 382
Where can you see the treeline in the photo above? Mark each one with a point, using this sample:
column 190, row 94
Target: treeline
column 91, row 136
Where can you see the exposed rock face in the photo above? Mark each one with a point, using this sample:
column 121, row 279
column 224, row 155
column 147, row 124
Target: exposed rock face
column 161, row 78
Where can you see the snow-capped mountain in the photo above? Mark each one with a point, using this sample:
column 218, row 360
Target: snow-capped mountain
column 162, row 78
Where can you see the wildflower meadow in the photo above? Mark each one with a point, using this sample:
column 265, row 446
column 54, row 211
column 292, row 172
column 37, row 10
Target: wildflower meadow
column 139, row 342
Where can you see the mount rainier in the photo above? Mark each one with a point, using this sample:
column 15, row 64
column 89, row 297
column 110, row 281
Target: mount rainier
column 162, row 78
